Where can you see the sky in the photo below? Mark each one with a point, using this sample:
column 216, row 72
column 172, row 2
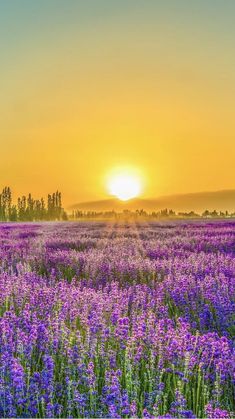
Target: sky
column 90, row 86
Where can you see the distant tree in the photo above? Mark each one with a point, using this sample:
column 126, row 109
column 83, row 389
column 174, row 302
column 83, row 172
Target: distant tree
column 54, row 206
column 64, row 216
column 164, row 212
column 5, row 204
column 13, row 214
column 22, row 208
column 171, row 213
column 206, row 213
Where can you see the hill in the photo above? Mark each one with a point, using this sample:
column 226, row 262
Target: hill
column 219, row 200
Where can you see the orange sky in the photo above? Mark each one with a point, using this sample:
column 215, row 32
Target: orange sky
column 90, row 86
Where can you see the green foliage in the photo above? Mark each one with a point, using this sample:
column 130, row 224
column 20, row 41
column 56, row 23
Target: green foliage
column 30, row 209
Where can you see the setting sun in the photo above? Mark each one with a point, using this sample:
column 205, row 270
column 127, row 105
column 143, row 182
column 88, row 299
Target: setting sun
column 124, row 186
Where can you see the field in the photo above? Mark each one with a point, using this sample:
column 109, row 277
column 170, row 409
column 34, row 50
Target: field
column 117, row 319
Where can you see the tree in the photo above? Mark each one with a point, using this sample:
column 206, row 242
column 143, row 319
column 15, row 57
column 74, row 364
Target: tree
column 13, row 214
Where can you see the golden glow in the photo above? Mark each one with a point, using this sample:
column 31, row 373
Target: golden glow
column 124, row 186
column 92, row 92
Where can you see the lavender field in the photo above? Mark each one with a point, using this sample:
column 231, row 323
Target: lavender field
column 117, row 319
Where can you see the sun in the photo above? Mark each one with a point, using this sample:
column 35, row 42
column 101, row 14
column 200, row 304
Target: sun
column 124, row 186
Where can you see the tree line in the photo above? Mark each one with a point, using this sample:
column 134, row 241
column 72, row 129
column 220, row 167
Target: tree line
column 161, row 214
column 29, row 209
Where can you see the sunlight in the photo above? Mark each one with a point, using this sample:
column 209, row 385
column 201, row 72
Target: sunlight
column 124, row 186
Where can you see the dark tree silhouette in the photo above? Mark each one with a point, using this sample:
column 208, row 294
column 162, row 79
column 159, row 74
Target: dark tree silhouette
column 30, row 209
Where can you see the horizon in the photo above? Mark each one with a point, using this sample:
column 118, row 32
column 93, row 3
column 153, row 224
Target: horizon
column 108, row 198
column 220, row 200
column 145, row 88
column 198, row 201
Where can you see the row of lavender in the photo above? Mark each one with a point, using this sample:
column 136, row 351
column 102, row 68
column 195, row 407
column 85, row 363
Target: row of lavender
column 117, row 320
